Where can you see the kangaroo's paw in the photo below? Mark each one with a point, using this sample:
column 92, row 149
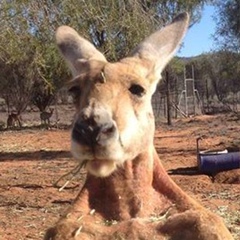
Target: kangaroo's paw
column 195, row 224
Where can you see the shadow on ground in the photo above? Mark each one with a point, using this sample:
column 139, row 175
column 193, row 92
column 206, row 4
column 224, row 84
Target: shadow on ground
column 34, row 155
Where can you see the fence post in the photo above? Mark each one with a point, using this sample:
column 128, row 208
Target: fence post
column 169, row 117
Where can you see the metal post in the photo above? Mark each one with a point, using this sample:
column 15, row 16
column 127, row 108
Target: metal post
column 169, row 119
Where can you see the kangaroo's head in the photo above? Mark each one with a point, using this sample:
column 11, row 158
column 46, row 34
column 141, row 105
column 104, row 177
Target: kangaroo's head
column 114, row 120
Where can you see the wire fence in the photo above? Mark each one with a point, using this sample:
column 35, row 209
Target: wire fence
column 182, row 105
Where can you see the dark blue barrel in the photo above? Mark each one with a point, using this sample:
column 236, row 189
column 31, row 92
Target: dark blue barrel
column 212, row 163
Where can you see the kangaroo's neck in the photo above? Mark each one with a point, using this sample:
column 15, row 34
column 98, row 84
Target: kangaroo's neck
column 125, row 190
column 136, row 189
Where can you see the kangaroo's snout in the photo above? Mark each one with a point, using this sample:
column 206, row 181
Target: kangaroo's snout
column 96, row 128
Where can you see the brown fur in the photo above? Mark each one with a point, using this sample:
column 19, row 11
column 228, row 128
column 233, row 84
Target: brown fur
column 127, row 187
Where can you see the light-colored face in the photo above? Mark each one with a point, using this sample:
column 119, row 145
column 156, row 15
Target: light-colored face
column 115, row 106
column 114, row 119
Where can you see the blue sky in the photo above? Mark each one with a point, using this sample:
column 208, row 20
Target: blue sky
column 198, row 39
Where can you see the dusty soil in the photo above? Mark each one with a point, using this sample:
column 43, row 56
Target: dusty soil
column 33, row 159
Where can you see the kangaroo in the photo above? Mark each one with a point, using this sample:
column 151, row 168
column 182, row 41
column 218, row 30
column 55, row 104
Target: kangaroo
column 45, row 116
column 13, row 120
column 112, row 135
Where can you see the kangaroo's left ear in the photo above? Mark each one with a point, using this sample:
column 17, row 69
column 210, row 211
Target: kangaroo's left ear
column 159, row 48
column 76, row 50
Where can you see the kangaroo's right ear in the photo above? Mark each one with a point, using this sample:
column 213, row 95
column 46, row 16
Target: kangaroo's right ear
column 76, row 50
column 159, row 48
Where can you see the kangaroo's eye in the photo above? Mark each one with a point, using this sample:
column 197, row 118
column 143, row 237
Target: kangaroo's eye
column 137, row 90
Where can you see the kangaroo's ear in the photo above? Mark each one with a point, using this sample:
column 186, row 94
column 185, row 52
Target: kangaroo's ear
column 160, row 47
column 76, row 50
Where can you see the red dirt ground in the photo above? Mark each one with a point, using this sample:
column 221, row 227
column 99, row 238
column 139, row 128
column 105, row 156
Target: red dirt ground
column 32, row 160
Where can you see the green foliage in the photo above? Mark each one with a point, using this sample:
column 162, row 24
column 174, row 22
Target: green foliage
column 27, row 45
column 228, row 24
column 220, row 71
column 42, row 95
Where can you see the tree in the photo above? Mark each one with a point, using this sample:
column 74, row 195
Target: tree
column 28, row 54
column 42, row 95
column 228, row 24
column 217, row 75
column 227, row 58
column 17, row 69
column 114, row 26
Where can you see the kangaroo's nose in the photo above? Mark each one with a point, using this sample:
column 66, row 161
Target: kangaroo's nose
column 90, row 133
